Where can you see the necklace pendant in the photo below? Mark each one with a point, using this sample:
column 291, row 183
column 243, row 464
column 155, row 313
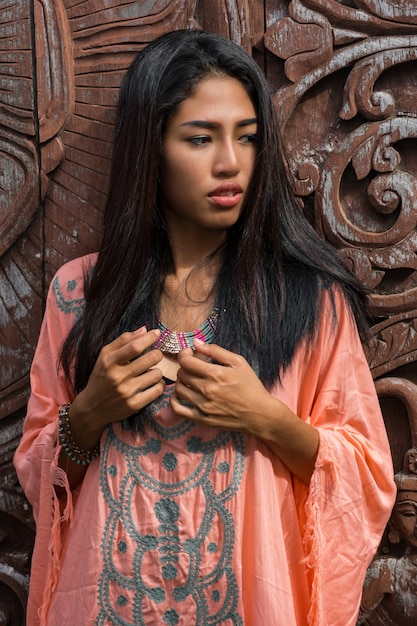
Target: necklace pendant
column 172, row 342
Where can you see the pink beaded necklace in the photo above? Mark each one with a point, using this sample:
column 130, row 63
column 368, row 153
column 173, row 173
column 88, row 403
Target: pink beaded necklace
column 173, row 342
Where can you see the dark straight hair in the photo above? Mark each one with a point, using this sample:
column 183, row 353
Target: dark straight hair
column 275, row 267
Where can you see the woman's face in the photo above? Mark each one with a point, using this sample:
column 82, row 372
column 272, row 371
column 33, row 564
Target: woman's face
column 208, row 156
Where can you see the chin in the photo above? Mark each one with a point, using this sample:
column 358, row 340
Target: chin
column 226, row 221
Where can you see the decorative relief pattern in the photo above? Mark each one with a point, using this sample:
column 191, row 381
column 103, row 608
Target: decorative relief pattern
column 29, row 150
column 16, row 529
column 18, row 170
column 18, row 200
column 350, row 77
column 353, row 81
column 390, row 591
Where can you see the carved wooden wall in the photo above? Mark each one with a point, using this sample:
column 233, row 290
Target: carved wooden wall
column 345, row 77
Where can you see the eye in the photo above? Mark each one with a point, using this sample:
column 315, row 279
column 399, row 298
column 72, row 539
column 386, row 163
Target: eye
column 408, row 513
column 249, row 138
column 199, row 140
column 407, row 510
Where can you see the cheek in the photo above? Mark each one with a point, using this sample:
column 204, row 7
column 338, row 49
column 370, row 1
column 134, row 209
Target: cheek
column 180, row 170
column 179, row 187
column 170, row 181
column 406, row 525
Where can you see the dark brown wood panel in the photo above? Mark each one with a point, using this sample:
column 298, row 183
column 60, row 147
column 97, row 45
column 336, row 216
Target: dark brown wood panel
column 20, row 291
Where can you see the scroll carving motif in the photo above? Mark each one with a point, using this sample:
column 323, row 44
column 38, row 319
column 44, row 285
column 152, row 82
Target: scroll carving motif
column 361, row 169
column 392, row 343
column 350, row 78
column 364, row 176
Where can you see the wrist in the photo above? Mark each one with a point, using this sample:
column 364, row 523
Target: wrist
column 73, row 449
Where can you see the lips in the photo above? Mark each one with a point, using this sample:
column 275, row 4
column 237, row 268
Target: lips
column 227, row 195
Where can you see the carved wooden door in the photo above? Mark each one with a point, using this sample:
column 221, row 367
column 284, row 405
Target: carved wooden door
column 345, row 77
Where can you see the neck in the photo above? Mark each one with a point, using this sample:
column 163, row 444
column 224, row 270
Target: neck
column 190, row 244
column 188, row 294
column 196, row 265
column 411, row 551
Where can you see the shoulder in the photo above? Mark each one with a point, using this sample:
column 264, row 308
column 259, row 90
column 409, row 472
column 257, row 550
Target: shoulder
column 336, row 333
column 66, row 291
column 335, row 311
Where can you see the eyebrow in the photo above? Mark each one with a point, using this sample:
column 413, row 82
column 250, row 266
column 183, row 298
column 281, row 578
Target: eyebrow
column 214, row 125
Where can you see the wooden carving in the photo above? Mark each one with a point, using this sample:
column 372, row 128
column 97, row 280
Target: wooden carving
column 346, row 98
column 345, row 81
column 20, row 281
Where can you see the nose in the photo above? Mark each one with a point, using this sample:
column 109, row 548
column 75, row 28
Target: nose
column 226, row 162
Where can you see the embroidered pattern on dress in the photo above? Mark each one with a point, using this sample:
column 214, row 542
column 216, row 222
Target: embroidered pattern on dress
column 67, row 305
column 174, row 562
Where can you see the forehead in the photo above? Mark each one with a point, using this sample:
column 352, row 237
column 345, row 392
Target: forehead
column 214, row 97
column 407, row 496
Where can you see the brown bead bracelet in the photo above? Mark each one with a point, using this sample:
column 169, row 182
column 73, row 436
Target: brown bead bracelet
column 66, row 439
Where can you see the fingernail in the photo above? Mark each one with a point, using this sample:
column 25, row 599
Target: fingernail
column 141, row 330
column 198, row 342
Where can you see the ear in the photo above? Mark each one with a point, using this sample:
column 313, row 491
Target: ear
column 394, row 536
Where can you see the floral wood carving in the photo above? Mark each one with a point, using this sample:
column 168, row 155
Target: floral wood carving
column 352, row 81
column 347, row 106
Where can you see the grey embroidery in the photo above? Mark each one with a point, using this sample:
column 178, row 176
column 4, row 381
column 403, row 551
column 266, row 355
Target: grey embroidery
column 179, row 565
column 66, row 304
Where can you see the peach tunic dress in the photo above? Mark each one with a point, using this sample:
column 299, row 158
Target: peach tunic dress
column 196, row 526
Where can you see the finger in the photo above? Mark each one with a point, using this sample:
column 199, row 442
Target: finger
column 142, row 363
column 131, row 346
column 190, row 379
column 184, row 409
column 192, row 413
column 196, row 366
column 145, row 380
column 217, row 353
column 195, row 398
column 187, row 394
column 122, row 339
column 139, row 400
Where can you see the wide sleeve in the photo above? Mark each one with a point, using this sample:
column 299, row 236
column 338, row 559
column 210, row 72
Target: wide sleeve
column 344, row 511
column 36, row 457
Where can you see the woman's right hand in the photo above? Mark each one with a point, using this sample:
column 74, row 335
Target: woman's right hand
column 124, row 380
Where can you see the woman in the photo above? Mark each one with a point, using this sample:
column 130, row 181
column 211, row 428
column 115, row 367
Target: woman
column 234, row 474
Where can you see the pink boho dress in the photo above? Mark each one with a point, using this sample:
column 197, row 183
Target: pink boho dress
column 193, row 526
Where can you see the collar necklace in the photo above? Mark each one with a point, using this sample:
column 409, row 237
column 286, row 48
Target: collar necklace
column 172, row 342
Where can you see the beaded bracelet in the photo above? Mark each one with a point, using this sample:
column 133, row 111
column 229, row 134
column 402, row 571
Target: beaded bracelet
column 66, row 439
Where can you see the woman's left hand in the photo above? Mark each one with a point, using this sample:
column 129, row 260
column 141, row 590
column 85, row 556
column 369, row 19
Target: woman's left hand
column 225, row 394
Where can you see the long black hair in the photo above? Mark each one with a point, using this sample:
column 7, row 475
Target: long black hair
column 274, row 265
